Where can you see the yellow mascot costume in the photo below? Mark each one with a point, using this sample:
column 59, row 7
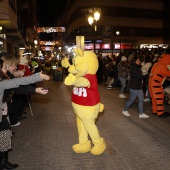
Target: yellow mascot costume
column 85, row 100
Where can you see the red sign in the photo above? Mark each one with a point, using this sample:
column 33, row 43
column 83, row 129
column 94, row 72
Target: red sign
column 106, row 46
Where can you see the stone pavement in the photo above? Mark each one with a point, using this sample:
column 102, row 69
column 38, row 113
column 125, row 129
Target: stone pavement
column 44, row 141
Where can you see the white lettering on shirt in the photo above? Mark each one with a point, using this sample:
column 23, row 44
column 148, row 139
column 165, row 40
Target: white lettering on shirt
column 80, row 91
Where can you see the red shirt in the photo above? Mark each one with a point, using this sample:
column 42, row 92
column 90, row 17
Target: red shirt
column 87, row 96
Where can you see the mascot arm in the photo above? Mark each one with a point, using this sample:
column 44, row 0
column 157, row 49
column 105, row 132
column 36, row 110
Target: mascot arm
column 76, row 81
column 168, row 66
column 65, row 63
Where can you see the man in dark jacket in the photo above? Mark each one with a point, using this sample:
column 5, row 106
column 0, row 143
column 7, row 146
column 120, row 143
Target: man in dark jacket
column 135, row 87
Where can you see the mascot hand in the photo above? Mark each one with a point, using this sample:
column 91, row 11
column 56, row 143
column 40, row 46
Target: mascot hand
column 70, row 80
column 65, row 63
column 101, row 107
column 168, row 66
column 72, row 69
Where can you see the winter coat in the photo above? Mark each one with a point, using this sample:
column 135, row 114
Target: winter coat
column 122, row 69
column 135, row 77
column 14, row 83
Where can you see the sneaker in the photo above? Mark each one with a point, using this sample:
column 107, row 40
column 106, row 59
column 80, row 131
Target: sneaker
column 109, row 87
column 143, row 115
column 126, row 113
column 122, row 96
column 17, row 124
column 146, row 100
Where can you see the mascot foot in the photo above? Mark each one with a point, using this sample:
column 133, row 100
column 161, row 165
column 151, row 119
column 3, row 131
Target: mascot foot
column 82, row 148
column 98, row 150
column 165, row 114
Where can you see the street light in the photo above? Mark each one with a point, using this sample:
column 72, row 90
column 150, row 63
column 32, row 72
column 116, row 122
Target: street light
column 92, row 20
column 118, row 33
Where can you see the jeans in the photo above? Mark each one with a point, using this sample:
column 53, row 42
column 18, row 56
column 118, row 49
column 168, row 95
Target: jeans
column 123, row 84
column 133, row 95
column 147, row 93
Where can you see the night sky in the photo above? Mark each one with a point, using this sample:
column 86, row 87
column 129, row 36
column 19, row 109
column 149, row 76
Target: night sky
column 49, row 11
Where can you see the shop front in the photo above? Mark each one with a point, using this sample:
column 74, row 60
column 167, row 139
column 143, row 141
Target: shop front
column 108, row 48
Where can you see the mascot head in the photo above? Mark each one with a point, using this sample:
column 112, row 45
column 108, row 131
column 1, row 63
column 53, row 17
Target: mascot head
column 165, row 58
column 84, row 62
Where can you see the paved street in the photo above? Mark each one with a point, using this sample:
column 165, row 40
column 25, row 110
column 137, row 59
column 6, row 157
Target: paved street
column 43, row 141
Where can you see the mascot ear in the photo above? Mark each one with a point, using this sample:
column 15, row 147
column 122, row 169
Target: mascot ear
column 76, row 51
column 80, row 52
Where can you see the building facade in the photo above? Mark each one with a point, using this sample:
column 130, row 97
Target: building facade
column 17, row 26
column 141, row 22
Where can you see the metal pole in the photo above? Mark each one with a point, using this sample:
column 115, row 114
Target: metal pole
column 112, row 46
column 29, row 106
column 94, row 41
column 120, row 44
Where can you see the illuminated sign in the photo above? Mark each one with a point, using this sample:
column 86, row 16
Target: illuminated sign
column 49, row 42
column 44, row 48
column 90, row 46
column 99, row 41
column 105, row 46
column 50, row 29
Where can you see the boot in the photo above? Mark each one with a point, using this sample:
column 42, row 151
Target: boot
column 4, row 161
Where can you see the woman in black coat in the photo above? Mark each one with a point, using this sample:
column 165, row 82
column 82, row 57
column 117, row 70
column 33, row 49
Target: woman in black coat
column 135, row 87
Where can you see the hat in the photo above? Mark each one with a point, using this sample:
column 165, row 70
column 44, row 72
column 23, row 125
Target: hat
column 123, row 58
column 156, row 55
column 23, row 60
column 26, row 53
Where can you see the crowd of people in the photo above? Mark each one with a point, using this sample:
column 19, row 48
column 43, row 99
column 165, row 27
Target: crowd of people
column 17, row 83
column 130, row 71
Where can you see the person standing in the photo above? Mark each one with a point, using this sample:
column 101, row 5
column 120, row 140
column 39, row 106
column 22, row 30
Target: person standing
column 24, row 65
column 122, row 68
column 145, row 72
column 5, row 128
column 135, row 87
column 13, row 97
